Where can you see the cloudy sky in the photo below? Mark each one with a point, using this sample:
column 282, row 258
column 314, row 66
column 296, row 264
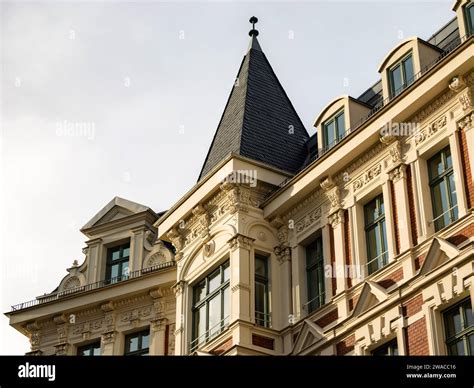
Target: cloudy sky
column 122, row 98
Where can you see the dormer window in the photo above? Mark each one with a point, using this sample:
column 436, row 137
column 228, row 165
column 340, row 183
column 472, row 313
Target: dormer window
column 117, row 263
column 401, row 75
column 334, row 130
column 470, row 18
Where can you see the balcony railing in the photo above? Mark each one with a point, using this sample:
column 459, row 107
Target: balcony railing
column 209, row 335
column 91, row 286
column 455, row 42
column 263, row 319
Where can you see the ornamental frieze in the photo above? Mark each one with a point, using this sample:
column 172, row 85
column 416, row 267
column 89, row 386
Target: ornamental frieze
column 367, row 177
column 430, row 130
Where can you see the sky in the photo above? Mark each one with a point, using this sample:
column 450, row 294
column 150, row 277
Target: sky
column 110, row 98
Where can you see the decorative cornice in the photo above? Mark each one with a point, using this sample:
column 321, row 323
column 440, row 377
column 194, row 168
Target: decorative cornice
column 309, row 219
column 432, row 107
column 367, row 177
column 430, row 130
column 240, row 241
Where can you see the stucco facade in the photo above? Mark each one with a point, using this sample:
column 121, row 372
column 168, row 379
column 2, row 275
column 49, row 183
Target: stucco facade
column 242, row 209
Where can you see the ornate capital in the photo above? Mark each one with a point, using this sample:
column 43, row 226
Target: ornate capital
column 466, row 122
column 327, row 183
column 466, row 98
column 109, row 337
column 179, row 287
column 387, row 138
column 283, row 253
column 240, row 241
column 277, row 222
column 457, row 83
column 61, row 349
column 334, row 196
column 107, row 307
column 156, row 293
column 396, row 152
column 158, row 324
column 398, row 173
column 35, row 340
column 176, row 239
column 336, row 218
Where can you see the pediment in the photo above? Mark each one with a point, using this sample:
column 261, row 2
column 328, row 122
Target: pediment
column 309, row 334
column 371, row 295
column 116, row 209
column 439, row 252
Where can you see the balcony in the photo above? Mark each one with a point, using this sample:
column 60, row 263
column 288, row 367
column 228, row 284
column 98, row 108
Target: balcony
column 56, row 296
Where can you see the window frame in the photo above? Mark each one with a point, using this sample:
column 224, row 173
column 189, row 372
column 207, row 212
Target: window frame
column 120, row 262
column 450, row 192
column 337, row 135
column 318, row 300
column 209, row 296
column 90, row 346
column 405, row 83
column 379, row 221
column 265, row 320
column 466, row 331
column 468, row 19
column 389, row 345
column 140, row 351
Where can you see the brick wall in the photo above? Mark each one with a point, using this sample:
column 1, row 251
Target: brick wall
column 395, row 218
column 391, row 279
column 347, row 244
column 466, row 169
column 412, row 306
column 333, row 259
column 328, row 318
column 417, row 339
column 462, row 235
column 352, row 302
column 345, row 346
column 222, row 348
column 419, row 262
column 263, row 342
column 411, row 205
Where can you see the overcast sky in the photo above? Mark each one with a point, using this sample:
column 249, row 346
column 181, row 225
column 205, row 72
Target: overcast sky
column 122, row 98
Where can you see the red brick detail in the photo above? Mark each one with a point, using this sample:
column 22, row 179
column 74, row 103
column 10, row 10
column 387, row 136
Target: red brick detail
column 417, row 339
column 391, row 279
column 167, row 339
column 345, row 346
column 462, row 235
column 328, row 318
column 263, row 342
column 347, row 245
column 412, row 306
column 222, row 348
column 411, row 205
column 333, row 259
column 395, row 218
column 466, row 169
column 419, row 262
column 352, row 302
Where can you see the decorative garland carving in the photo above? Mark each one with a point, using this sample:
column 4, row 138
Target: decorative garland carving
column 430, row 130
column 367, row 177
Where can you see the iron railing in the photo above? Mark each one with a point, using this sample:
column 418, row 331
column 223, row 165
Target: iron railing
column 91, row 286
column 210, row 334
column 263, row 319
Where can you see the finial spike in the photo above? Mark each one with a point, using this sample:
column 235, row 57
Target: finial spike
column 253, row 31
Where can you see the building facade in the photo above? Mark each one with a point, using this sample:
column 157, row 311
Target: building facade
column 357, row 240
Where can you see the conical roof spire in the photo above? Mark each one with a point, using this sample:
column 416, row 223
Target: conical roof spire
column 259, row 121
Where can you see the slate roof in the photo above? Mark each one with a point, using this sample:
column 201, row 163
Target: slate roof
column 259, row 121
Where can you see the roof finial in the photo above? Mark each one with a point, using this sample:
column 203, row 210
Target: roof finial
column 253, row 31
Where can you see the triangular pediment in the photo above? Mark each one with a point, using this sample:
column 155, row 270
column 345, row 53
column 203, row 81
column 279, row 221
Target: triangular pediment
column 439, row 252
column 309, row 334
column 371, row 295
column 116, row 209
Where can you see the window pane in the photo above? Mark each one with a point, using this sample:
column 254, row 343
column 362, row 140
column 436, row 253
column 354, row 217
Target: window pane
column 408, row 67
column 468, row 315
column 449, row 159
column 132, row 343
column 214, row 314
column 114, row 270
column 341, row 127
column 199, row 291
column 371, row 243
column 145, row 341
column 470, row 16
column 371, row 212
column 260, row 297
column 436, row 166
column 226, row 273
column 97, row 350
column 200, row 323
column 453, row 323
column 471, row 344
column 457, row 348
column 116, row 254
column 214, row 281
column 439, row 198
column 126, row 251
column 125, row 269
column 260, row 266
column 226, row 303
column 396, row 80
column 329, row 133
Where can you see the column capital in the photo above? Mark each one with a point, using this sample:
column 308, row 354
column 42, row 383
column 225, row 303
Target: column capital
column 61, row 349
column 283, row 253
column 240, row 241
column 466, row 123
column 109, row 337
column 158, row 324
column 336, row 218
column 398, row 173
column 179, row 288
